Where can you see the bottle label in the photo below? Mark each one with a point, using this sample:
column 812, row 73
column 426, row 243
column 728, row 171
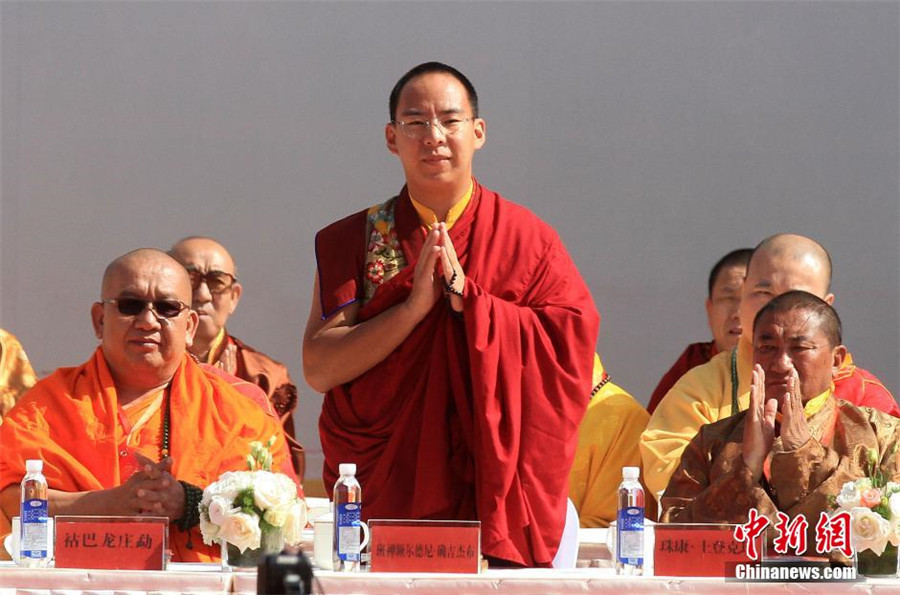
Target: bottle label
column 347, row 535
column 33, row 541
column 630, row 536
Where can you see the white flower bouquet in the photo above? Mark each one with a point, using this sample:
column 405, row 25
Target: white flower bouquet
column 241, row 505
column 874, row 507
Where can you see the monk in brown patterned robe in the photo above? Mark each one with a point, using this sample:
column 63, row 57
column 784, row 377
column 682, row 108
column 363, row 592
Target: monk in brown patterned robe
column 796, row 445
column 216, row 293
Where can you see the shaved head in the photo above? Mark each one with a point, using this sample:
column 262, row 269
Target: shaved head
column 192, row 244
column 782, row 263
column 141, row 258
column 216, row 291
column 799, row 249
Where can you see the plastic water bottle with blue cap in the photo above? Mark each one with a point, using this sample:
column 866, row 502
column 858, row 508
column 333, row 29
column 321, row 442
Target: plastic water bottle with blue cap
column 630, row 524
column 347, row 519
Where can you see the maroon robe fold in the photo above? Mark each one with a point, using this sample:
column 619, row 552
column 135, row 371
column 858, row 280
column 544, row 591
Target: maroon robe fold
column 474, row 418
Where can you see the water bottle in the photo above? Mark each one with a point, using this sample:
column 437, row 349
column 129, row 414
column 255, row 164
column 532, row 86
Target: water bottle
column 34, row 540
column 347, row 513
column 630, row 524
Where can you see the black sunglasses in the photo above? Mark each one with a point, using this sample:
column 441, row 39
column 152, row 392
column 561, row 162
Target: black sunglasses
column 161, row 308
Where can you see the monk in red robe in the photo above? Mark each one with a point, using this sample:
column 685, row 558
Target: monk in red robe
column 139, row 428
column 722, row 314
column 448, row 330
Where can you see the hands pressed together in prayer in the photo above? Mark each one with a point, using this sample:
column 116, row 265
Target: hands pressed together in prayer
column 437, row 271
column 760, row 425
column 152, row 491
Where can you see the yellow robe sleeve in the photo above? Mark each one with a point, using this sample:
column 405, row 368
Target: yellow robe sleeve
column 607, row 441
column 701, row 396
column 16, row 373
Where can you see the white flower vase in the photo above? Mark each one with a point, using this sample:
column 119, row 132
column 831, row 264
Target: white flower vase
column 271, row 542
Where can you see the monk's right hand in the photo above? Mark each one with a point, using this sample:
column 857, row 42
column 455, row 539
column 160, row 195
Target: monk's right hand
column 759, row 424
column 425, row 289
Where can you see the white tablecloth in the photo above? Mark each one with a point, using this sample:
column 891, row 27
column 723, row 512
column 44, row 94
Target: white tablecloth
column 209, row 578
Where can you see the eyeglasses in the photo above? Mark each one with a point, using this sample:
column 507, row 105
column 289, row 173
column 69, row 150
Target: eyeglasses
column 135, row 306
column 421, row 128
column 216, row 281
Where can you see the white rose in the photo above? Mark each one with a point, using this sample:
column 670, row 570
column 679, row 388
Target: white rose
column 241, row 530
column 294, row 522
column 276, row 516
column 868, row 530
column 233, row 482
column 894, row 504
column 287, row 487
column 267, row 492
column 850, row 496
column 894, row 537
column 218, row 509
column 209, row 531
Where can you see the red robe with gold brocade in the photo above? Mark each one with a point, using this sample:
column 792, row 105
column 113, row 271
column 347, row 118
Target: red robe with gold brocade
column 473, row 417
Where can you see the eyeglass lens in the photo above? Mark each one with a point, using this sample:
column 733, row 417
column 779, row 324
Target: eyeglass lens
column 162, row 308
column 421, row 128
column 216, row 281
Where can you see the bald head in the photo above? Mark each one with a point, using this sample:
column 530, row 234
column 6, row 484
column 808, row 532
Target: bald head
column 187, row 249
column 793, row 248
column 216, row 291
column 782, row 263
column 148, row 260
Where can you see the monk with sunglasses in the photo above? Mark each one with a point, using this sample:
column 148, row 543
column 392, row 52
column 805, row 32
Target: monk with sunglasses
column 140, row 428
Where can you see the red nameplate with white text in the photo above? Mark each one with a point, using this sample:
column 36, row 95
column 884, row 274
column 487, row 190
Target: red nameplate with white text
column 697, row 550
column 425, row 546
column 111, row 542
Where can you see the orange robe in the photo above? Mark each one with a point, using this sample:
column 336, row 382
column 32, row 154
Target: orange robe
column 273, row 380
column 71, row 420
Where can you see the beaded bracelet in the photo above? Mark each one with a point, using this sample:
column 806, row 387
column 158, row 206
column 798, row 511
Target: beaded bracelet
column 192, row 497
column 449, row 285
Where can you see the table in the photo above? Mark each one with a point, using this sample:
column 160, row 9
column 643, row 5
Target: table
column 210, row 579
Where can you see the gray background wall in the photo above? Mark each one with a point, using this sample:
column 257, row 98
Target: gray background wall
column 654, row 136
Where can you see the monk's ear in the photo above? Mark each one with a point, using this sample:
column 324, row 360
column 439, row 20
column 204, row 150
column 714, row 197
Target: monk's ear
column 390, row 137
column 829, row 299
column 97, row 319
column 837, row 359
column 191, row 330
column 479, row 128
column 237, row 290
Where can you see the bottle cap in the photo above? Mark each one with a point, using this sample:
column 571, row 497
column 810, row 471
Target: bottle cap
column 34, row 466
column 347, row 468
column 631, row 472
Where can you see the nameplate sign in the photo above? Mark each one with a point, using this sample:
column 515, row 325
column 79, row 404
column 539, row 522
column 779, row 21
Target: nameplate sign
column 111, row 542
column 425, row 546
column 698, row 549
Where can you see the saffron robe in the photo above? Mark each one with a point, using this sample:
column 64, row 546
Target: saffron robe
column 694, row 355
column 703, row 396
column 71, row 421
column 713, row 485
column 471, row 417
column 273, row 379
column 607, row 441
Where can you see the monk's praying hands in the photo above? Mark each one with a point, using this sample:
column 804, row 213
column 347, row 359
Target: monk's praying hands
column 759, row 429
